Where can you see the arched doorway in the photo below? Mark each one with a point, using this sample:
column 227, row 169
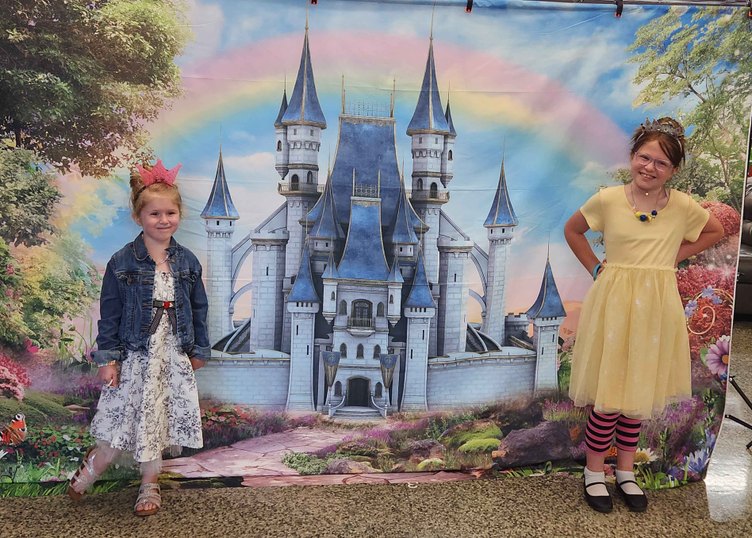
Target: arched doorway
column 357, row 392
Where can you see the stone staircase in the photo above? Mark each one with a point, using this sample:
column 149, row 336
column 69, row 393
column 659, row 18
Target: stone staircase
column 357, row 414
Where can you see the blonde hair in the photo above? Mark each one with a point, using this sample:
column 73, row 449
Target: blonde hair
column 141, row 194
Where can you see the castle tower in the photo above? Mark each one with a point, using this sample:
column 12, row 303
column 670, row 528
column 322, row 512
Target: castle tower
column 452, row 315
column 447, row 156
column 268, row 274
column 303, row 304
column 500, row 224
column 428, row 130
column 302, row 123
column 282, row 150
column 419, row 309
column 394, row 285
column 547, row 314
column 219, row 216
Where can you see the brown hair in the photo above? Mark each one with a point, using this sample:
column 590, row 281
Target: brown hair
column 142, row 194
column 669, row 134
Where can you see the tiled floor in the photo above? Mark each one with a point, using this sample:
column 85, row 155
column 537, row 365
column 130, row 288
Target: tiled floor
column 729, row 479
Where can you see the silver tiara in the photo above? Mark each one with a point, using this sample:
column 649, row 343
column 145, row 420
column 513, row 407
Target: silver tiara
column 656, row 126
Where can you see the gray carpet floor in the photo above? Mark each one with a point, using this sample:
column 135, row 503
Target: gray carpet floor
column 549, row 506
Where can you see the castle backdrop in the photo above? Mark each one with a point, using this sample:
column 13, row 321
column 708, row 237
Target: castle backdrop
column 377, row 192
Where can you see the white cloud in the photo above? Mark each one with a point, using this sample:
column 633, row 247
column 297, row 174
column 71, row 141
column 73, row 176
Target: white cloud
column 206, row 22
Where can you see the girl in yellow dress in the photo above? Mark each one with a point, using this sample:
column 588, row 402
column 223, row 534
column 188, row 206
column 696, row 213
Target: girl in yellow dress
column 631, row 355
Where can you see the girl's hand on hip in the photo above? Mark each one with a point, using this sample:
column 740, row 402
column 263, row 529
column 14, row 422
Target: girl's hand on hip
column 108, row 375
column 197, row 363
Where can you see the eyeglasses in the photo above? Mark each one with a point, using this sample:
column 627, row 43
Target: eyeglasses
column 659, row 164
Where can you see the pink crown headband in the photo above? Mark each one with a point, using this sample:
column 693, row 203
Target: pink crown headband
column 158, row 174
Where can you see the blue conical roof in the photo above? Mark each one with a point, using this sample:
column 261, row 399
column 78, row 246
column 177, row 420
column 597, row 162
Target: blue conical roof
column 303, row 290
column 502, row 212
column 420, row 292
column 304, row 102
column 395, row 275
column 450, row 123
column 429, row 114
column 326, row 225
column 548, row 304
column 282, row 110
column 403, row 229
column 219, row 205
column 331, row 267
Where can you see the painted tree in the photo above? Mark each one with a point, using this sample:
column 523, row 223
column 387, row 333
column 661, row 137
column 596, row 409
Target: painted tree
column 702, row 55
column 80, row 78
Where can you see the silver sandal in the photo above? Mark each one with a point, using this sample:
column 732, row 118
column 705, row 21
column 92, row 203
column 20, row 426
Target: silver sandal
column 84, row 477
column 149, row 492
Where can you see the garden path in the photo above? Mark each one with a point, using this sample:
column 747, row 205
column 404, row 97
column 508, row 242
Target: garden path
column 259, row 462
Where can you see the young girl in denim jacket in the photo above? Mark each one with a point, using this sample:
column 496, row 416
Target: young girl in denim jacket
column 152, row 335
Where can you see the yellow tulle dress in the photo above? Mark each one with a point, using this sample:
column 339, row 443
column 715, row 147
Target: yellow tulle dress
column 631, row 352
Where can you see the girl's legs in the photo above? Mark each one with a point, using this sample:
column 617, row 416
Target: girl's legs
column 149, row 475
column 627, row 436
column 599, row 434
column 95, row 463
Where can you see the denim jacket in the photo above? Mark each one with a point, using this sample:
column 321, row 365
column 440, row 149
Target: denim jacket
column 126, row 303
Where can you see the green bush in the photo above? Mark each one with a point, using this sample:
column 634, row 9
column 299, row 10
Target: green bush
column 431, row 464
column 39, row 408
column 305, row 464
column 459, row 439
column 480, row 445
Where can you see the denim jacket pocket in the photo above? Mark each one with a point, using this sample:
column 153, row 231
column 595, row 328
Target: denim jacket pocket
column 130, row 285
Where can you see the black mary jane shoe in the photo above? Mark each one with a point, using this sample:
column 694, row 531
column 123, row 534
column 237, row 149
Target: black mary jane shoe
column 636, row 503
column 599, row 503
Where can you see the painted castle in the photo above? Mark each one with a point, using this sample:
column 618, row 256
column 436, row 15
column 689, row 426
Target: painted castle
column 359, row 286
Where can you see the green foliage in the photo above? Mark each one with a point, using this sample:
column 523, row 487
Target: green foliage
column 705, row 56
column 12, row 326
column 59, row 283
column 305, row 464
column 459, row 439
column 66, row 443
column 480, row 445
column 431, row 464
column 438, row 424
column 39, row 408
column 80, row 78
column 565, row 371
column 27, row 198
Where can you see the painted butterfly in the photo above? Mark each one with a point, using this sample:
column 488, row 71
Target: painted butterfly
column 15, row 432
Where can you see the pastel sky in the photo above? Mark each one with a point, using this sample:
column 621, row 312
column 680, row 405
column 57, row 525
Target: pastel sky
column 548, row 90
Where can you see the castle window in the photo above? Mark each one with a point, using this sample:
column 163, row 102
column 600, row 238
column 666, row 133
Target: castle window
column 308, row 350
column 455, row 277
column 380, row 309
column 434, row 193
column 279, row 145
column 311, row 132
column 420, row 140
column 378, row 392
column 361, row 313
column 436, row 140
column 294, row 182
column 391, row 299
column 267, row 270
column 450, row 154
column 338, row 389
column 309, row 177
column 333, row 297
column 342, row 307
column 294, row 131
column 411, row 353
column 423, row 336
column 343, row 351
column 420, row 184
column 359, row 352
column 376, row 351
column 296, row 329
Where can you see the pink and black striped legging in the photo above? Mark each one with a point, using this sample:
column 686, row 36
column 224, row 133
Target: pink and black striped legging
column 601, row 428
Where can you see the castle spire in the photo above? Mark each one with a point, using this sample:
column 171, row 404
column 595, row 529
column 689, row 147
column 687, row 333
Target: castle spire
column 548, row 304
column 304, row 102
column 429, row 114
column 502, row 212
column 219, row 205
column 282, row 108
column 420, row 292
column 303, row 290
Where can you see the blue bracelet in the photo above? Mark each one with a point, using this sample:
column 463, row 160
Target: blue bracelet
column 596, row 269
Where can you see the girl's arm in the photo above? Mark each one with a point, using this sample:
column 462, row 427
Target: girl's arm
column 709, row 236
column 574, row 233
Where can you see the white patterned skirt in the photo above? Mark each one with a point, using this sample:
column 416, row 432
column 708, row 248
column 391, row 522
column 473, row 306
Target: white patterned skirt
column 155, row 406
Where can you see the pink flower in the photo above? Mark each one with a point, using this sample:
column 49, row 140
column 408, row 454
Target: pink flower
column 717, row 358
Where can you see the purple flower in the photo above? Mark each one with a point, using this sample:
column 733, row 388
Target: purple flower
column 697, row 461
column 690, row 308
column 707, row 292
column 717, row 357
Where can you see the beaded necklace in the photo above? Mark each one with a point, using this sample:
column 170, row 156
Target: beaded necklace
column 641, row 215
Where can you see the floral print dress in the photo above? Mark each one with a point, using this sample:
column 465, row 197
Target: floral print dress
column 155, row 406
